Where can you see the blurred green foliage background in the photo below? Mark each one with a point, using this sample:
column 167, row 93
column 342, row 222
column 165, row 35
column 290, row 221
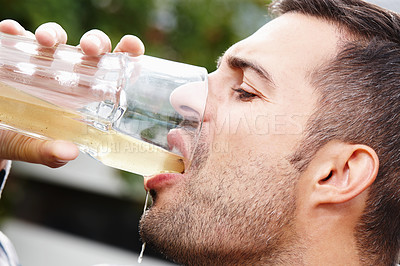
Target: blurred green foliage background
column 190, row 31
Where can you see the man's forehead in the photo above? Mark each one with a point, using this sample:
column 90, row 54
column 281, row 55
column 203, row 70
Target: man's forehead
column 291, row 39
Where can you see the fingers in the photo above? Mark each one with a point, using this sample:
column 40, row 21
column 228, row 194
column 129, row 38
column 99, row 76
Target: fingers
column 3, row 164
column 49, row 34
column 10, row 26
column 57, row 153
column 130, row 44
column 14, row 146
column 95, row 42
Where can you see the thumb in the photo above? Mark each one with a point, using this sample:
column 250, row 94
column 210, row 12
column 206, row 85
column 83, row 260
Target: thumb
column 18, row 147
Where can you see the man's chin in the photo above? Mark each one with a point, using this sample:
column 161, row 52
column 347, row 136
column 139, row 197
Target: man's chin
column 157, row 229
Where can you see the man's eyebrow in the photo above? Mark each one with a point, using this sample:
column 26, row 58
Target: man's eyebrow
column 237, row 62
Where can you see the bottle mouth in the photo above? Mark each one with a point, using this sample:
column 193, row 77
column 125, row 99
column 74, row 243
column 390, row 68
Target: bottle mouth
column 164, row 99
column 190, row 131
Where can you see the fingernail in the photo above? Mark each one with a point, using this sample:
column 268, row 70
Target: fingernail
column 52, row 32
column 95, row 40
column 142, row 49
column 64, row 151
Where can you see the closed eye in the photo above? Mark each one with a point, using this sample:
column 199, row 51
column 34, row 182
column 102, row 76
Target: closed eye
column 243, row 95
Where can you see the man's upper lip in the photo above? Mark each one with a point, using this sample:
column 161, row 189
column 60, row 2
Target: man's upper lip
column 176, row 140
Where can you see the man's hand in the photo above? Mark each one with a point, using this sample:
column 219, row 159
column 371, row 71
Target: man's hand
column 57, row 153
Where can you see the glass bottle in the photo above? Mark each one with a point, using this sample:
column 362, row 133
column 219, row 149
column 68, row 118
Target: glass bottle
column 115, row 107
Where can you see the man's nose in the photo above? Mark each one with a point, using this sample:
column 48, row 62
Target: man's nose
column 189, row 100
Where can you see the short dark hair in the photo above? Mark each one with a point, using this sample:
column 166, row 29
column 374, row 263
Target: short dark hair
column 359, row 102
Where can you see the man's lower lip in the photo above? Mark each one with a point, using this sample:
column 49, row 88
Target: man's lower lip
column 160, row 181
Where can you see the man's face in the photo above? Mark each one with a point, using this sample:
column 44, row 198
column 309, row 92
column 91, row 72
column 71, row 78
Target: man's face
column 237, row 200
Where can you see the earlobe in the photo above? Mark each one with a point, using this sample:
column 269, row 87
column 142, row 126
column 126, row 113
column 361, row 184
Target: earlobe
column 349, row 170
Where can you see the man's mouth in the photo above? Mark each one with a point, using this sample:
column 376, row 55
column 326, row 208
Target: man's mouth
column 179, row 142
column 163, row 180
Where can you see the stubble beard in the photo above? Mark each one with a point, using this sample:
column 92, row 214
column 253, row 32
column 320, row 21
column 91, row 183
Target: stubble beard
column 225, row 215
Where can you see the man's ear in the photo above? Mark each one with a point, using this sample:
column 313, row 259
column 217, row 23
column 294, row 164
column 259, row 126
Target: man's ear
column 342, row 172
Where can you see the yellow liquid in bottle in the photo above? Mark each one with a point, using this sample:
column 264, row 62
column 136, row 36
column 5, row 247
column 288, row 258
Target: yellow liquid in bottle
column 24, row 113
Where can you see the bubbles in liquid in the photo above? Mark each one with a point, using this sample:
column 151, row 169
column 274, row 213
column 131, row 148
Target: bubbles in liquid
column 140, row 258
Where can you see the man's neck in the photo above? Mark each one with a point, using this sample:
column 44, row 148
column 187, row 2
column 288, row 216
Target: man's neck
column 331, row 245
